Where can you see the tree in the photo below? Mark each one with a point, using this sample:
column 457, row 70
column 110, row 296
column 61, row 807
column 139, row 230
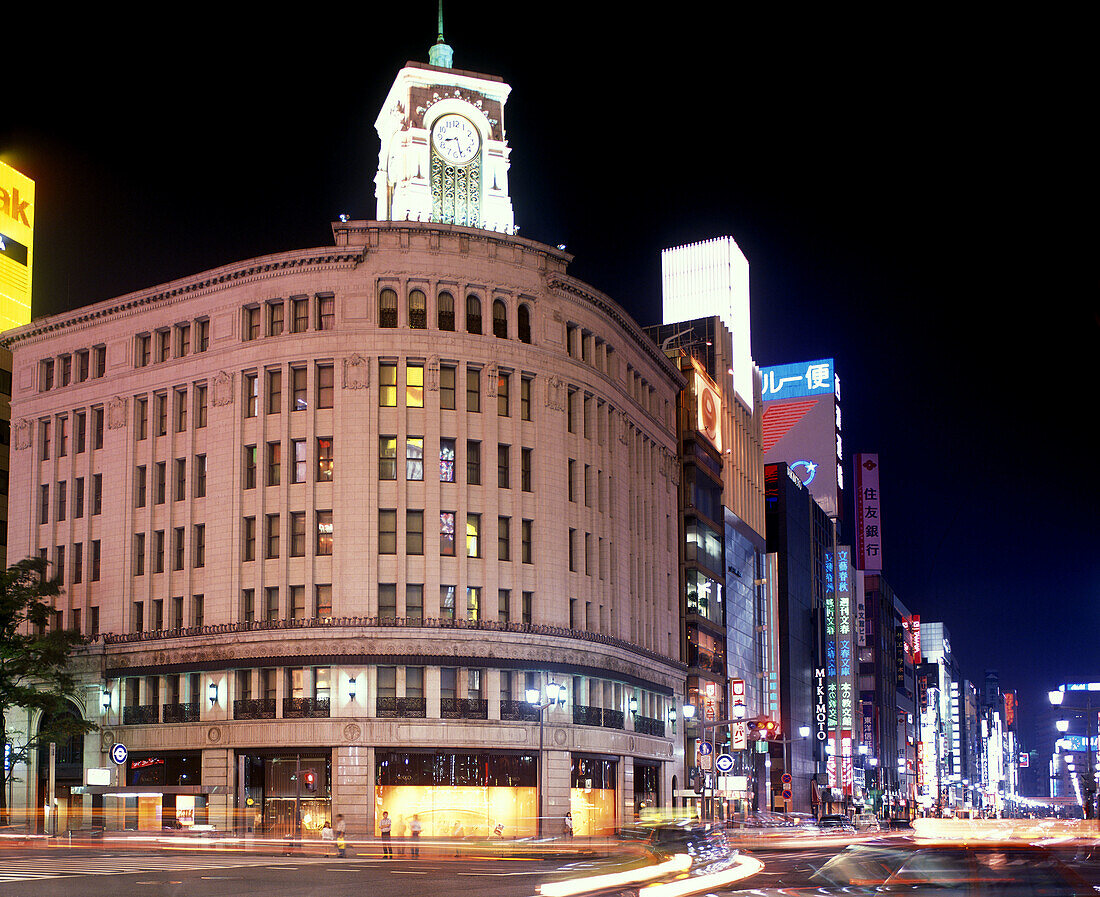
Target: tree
column 34, row 662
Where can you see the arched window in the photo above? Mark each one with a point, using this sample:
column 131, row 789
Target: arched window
column 524, row 322
column 387, row 308
column 418, row 310
column 473, row 314
column 446, row 311
column 500, row 319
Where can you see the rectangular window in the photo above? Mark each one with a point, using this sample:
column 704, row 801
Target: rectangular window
column 414, row 532
column 139, row 487
column 571, row 479
column 78, row 565
column 274, row 463
column 271, row 603
column 525, row 398
column 526, row 535
column 447, row 602
column 387, row 384
column 322, row 595
column 387, row 600
column 198, row 610
column 141, row 418
column 158, row 551
column 274, row 392
column 202, row 335
column 62, row 500
column 139, row 554
column 527, row 607
column 178, row 547
column 271, row 536
column 473, row 389
column 414, row 601
column 181, row 409
column 324, row 533
column 473, row 463
column 414, row 458
column 387, row 682
column 503, row 381
column 181, row 479
column 44, row 504
column 160, row 477
column 251, row 394
column 446, row 460
column 297, row 534
column 78, row 498
column 97, row 555
column 504, row 467
column 570, row 409
column 572, row 549
column 249, row 468
column 504, row 600
column 504, row 538
column 198, row 473
column 387, row 531
column 248, row 539
column 473, row 603
column 142, row 350
column 414, row 385
column 325, row 459
column 297, row 602
column 80, row 430
column 275, row 312
column 44, row 433
column 198, row 545
column 248, row 605
column 447, row 387
column 62, row 436
column 299, row 400
column 82, row 367
column 298, row 461
column 525, row 458
column 325, row 381
column 251, row 323
column 387, row 457
column 447, row 533
column 66, row 363
column 326, row 312
column 301, row 314
column 473, row 535
column 97, row 428
column 97, row 494
column 200, row 406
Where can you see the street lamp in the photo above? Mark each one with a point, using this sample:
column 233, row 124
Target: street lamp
column 1057, row 698
column 555, row 694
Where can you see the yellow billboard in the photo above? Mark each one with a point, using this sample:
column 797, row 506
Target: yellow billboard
column 16, row 246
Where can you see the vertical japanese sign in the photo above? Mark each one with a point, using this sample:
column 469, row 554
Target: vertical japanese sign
column 868, row 513
column 846, row 667
column 771, row 634
column 738, row 729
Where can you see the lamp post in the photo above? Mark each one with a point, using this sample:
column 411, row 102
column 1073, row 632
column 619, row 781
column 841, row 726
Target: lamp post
column 555, row 695
column 1057, row 699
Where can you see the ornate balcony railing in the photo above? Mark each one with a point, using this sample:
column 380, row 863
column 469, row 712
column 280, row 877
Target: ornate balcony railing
column 587, row 716
column 390, row 708
column 298, row 708
column 648, row 726
column 518, row 711
column 142, row 714
column 613, row 719
column 463, row 708
column 254, row 708
column 181, row 713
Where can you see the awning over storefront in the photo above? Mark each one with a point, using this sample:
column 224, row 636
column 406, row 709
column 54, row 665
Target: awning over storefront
column 147, row 790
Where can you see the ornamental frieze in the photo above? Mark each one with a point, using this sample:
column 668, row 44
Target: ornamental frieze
column 356, row 372
column 223, row 389
column 116, row 413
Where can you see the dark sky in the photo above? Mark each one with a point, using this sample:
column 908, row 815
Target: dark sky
column 914, row 189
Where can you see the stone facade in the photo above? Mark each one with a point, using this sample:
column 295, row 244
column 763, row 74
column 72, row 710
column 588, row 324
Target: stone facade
column 262, row 484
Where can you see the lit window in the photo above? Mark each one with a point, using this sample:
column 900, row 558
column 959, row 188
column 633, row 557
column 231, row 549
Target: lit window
column 446, row 460
column 414, row 458
column 387, row 308
column 414, row 386
column 473, row 533
column 387, row 384
column 418, row 310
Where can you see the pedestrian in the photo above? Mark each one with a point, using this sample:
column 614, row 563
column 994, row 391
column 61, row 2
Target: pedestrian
column 384, row 826
column 326, row 835
column 567, row 824
column 341, row 835
column 414, row 829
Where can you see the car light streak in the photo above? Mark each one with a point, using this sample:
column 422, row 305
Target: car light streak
column 742, row 868
column 679, row 863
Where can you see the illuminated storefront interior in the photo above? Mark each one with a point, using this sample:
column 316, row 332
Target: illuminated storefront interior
column 272, row 789
column 458, row 795
column 592, row 796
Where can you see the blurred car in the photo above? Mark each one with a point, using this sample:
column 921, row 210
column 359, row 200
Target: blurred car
column 699, row 840
column 867, row 822
column 836, row 824
column 955, row 868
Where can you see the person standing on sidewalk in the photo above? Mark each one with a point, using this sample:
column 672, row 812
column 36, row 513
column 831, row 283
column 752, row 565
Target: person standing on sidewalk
column 384, row 826
column 341, row 835
column 567, row 825
column 414, row 829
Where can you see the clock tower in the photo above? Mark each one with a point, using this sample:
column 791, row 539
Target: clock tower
column 444, row 157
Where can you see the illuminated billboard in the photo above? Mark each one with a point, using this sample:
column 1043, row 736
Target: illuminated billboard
column 708, row 406
column 801, row 427
column 16, row 246
column 868, row 513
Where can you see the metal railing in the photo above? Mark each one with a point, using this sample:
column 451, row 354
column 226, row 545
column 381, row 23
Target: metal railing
column 141, row 714
column 390, row 708
column 298, row 708
column 181, row 713
column 463, row 708
column 646, row 725
column 254, row 708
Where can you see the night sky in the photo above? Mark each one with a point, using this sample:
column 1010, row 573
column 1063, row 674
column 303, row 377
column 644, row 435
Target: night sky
column 911, row 192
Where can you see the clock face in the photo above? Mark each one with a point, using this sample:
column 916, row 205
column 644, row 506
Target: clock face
column 455, row 139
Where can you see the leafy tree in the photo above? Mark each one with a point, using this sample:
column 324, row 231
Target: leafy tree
column 34, row 662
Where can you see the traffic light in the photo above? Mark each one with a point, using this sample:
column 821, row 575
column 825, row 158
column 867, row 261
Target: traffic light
column 763, row 729
column 309, row 780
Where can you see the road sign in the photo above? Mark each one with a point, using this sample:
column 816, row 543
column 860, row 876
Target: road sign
column 723, row 762
column 785, row 778
column 705, row 748
column 786, row 794
column 118, row 753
